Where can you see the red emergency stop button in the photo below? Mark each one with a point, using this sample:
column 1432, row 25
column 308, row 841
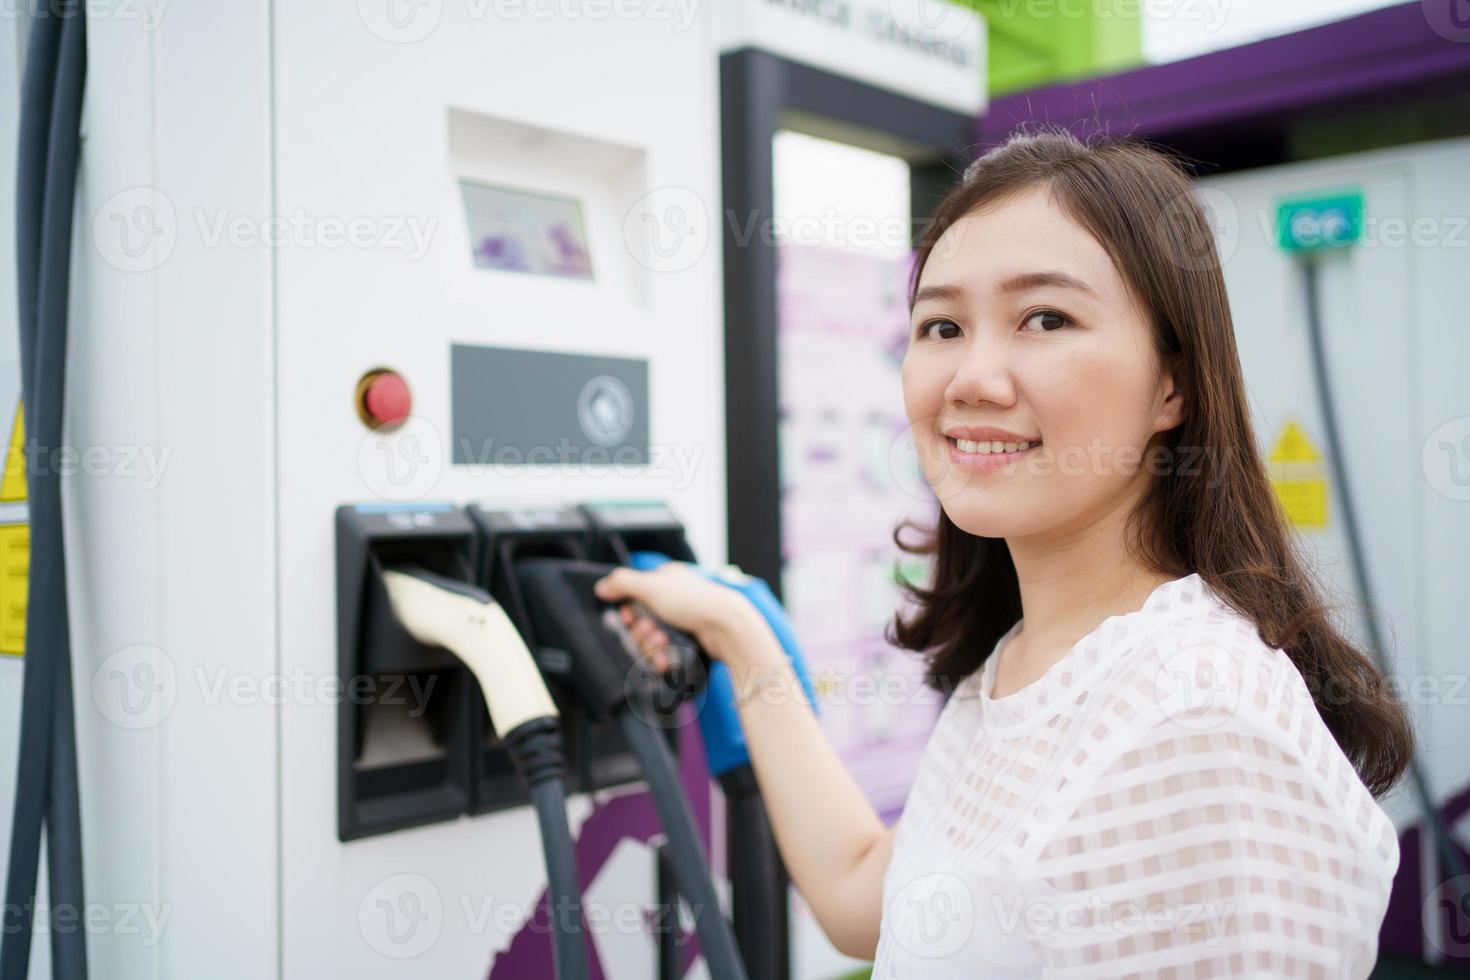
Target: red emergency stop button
column 383, row 399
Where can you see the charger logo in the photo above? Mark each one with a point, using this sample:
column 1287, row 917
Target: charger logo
column 605, row 410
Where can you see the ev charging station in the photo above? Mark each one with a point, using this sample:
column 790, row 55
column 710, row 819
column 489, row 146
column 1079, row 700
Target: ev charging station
column 449, row 291
column 374, row 308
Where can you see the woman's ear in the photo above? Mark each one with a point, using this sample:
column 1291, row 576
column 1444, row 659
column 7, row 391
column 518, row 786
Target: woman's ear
column 1170, row 412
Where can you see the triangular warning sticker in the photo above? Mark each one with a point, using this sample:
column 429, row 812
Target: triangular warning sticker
column 13, row 483
column 1293, row 446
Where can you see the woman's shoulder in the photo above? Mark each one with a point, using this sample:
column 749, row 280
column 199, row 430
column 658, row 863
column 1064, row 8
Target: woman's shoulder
column 1201, row 679
column 1189, row 658
column 1200, row 663
column 1203, row 780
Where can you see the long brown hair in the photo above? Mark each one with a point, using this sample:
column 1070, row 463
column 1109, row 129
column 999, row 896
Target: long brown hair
column 1214, row 513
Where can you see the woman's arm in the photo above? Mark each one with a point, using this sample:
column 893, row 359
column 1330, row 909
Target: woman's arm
column 830, row 837
column 833, row 842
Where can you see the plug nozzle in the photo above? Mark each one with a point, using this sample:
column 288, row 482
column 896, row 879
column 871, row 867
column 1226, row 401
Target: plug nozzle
column 468, row 622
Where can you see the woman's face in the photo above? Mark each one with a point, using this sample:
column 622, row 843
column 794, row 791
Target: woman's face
column 1022, row 325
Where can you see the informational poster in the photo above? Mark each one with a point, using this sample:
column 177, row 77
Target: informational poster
column 849, row 476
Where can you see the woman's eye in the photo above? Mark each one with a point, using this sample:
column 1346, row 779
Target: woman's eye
column 1059, row 320
column 932, row 326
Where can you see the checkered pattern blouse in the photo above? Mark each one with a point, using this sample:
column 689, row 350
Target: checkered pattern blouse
column 1164, row 802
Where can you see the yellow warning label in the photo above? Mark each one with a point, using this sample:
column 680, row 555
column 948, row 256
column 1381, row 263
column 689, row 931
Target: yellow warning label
column 1305, row 501
column 13, row 482
column 1299, row 476
column 1293, row 446
column 15, row 563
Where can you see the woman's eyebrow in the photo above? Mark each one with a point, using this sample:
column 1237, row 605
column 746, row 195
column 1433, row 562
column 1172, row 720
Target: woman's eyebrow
column 941, row 291
column 1047, row 277
column 1018, row 283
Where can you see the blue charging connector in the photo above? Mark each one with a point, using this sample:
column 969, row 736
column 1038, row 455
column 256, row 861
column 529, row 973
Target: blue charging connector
column 719, row 718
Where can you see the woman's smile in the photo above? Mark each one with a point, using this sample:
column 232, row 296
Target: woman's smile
column 985, row 457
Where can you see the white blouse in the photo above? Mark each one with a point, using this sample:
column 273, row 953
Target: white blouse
column 1165, row 801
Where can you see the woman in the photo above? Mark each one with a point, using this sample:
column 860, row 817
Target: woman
column 1159, row 758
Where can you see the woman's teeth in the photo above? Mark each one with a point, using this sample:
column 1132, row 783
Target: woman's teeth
column 967, row 446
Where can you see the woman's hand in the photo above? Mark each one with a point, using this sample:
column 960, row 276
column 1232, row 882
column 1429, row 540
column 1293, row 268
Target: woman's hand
column 677, row 595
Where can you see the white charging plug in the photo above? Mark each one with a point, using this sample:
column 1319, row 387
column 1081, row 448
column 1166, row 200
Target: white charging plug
column 442, row 612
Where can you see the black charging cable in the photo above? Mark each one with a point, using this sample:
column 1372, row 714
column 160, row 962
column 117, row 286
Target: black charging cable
column 1434, row 821
column 611, row 682
column 46, row 772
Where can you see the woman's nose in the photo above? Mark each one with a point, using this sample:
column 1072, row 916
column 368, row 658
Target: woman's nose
column 982, row 374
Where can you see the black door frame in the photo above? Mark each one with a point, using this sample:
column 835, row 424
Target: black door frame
column 761, row 93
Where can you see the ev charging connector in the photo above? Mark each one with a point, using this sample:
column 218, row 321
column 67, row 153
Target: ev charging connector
column 442, row 612
column 758, row 878
column 465, row 620
column 610, row 683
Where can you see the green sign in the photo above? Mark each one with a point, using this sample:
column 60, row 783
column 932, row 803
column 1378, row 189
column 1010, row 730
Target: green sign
column 1307, row 224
